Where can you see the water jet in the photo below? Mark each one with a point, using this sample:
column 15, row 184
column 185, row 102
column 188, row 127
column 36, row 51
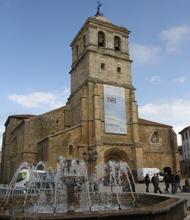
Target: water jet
column 70, row 193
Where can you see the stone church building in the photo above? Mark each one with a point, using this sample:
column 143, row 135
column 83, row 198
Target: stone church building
column 100, row 120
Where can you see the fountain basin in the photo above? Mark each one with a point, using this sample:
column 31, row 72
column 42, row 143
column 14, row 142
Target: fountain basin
column 148, row 207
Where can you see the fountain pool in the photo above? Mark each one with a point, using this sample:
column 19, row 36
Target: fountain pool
column 69, row 193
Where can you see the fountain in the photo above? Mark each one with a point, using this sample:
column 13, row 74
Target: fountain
column 70, row 193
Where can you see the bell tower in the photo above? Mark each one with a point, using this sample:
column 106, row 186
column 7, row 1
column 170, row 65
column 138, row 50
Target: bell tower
column 102, row 97
column 100, row 52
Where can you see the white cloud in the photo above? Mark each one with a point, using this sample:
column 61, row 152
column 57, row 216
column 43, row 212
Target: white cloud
column 175, row 113
column 38, row 99
column 175, row 36
column 144, row 54
column 179, row 79
column 155, row 79
column 36, row 102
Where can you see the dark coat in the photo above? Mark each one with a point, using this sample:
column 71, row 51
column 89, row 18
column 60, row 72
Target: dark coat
column 147, row 179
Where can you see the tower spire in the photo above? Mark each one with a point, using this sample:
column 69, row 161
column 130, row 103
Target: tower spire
column 98, row 13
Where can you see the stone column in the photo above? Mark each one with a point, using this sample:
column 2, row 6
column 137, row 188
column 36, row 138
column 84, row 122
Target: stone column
column 97, row 114
column 137, row 149
column 84, row 117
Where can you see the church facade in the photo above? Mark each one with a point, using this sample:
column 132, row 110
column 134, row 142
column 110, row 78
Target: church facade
column 100, row 120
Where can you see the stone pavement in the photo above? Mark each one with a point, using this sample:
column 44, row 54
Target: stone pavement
column 140, row 187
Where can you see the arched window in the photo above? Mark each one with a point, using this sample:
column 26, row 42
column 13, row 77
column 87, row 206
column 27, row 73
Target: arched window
column 84, row 41
column 117, row 43
column 119, row 69
column 77, row 50
column 155, row 138
column 71, row 150
column 103, row 66
column 101, row 39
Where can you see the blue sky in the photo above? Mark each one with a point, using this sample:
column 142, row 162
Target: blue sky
column 35, row 56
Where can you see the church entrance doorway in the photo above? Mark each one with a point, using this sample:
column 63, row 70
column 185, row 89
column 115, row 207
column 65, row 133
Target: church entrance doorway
column 113, row 174
column 115, row 154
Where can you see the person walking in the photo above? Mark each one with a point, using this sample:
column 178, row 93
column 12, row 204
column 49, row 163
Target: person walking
column 173, row 183
column 177, row 181
column 156, row 183
column 167, row 182
column 147, row 182
column 153, row 182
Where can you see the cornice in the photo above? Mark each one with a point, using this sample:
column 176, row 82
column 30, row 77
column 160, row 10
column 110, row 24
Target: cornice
column 95, row 80
column 118, row 144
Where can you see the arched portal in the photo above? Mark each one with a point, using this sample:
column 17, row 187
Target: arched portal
column 112, row 171
column 116, row 155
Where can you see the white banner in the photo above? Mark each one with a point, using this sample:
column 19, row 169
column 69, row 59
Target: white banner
column 114, row 110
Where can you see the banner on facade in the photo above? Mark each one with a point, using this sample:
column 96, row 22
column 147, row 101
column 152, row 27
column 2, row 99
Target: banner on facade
column 114, row 110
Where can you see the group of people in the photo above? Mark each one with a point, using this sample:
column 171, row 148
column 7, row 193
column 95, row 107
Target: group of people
column 155, row 181
column 172, row 179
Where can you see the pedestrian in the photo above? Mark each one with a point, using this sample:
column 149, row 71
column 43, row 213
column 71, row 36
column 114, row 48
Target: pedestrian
column 177, row 181
column 173, row 183
column 147, row 182
column 155, row 181
column 167, row 182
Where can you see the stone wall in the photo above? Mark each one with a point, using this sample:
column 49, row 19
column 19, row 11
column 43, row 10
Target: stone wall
column 60, row 143
column 13, row 142
column 161, row 154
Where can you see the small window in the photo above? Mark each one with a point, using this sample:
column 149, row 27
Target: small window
column 182, row 137
column 186, row 135
column 117, row 43
column 101, row 39
column 119, row 69
column 155, row 138
column 103, row 66
column 71, row 150
column 57, row 121
column 84, row 41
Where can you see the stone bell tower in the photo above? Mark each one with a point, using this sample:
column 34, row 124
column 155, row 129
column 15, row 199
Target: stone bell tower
column 102, row 95
column 100, row 119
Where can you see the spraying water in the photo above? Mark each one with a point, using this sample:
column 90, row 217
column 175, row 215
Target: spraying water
column 70, row 189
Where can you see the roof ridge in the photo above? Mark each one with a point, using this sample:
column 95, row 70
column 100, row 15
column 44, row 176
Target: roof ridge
column 145, row 121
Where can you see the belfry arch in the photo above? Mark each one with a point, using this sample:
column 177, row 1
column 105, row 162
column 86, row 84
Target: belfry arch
column 116, row 155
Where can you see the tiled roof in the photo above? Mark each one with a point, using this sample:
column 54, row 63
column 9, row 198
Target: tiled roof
column 147, row 122
column 18, row 117
column 186, row 128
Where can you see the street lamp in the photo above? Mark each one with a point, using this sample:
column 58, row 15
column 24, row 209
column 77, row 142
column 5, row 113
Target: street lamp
column 90, row 156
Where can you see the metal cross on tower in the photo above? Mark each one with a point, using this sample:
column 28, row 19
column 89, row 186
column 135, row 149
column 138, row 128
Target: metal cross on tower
column 98, row 13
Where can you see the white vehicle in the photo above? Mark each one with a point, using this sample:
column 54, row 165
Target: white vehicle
column 25, row 176
column 141, row 173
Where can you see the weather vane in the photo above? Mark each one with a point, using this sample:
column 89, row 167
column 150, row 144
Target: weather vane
column 99, row 4
column 98, row 8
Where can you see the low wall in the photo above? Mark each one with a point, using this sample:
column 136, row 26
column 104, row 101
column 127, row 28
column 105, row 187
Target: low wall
column 148, row 207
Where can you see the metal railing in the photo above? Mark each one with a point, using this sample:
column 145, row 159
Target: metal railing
column 23, row 191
